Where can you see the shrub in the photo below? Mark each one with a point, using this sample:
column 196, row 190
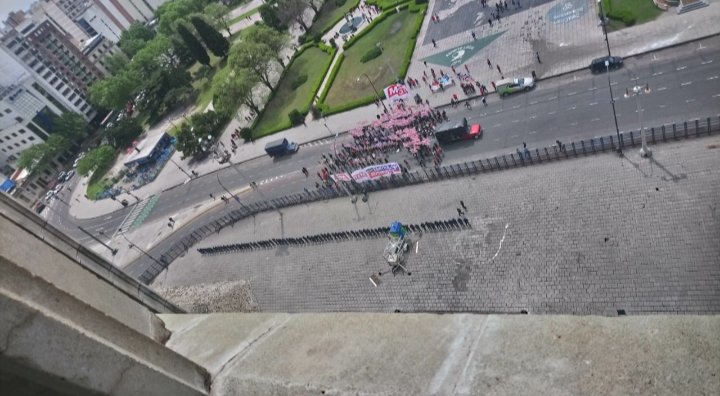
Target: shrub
column 332, row 43
column 246, row 134
column 296, row 117
column 370, row 55
column 340, row 3
column 300, row 80
column 316, row 114
column 317, row 37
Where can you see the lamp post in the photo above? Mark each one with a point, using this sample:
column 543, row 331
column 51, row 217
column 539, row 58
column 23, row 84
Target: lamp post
column 139, row 248
column 179, row 167
column 353, row 198
column 235, row 197
column 607, row 66
column 636, row 92
column 377, row 95
column 112, row 250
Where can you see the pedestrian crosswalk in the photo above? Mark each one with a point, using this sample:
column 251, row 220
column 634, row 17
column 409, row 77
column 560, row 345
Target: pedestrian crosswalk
column 271, row 179
column 139, row 213
column 318, row 142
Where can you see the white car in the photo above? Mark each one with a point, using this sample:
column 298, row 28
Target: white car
column 58, row 188
column 49, row 195
column 69, row 175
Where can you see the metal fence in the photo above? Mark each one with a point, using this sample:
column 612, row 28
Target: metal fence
column 669, row 132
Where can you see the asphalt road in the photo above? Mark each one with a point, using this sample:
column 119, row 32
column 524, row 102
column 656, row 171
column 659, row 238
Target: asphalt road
column 684, row 83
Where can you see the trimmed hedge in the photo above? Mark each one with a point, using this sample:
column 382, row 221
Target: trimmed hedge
column 370, row 55
column 316, row 88
column 411, row 45
column 331, row 78
column 385, row 4
column 349, row 105
column 372, row 24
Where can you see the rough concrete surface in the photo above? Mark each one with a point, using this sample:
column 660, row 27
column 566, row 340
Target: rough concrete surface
column 234, row 296
column 459, row 354
column 591, row 235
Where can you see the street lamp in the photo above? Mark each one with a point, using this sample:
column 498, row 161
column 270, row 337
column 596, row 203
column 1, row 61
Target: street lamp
column 179, row 167
column 139, row 248
column 636, row 92
column 377, row 95
column 235, row 197
column 111, row 249
column 607, row 66
column 353, row 198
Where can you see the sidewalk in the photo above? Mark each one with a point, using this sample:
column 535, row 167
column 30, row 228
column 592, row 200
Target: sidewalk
column 563, row 47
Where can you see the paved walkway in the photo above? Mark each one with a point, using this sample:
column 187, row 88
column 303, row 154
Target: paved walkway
column 589, row 236
column 564, row 45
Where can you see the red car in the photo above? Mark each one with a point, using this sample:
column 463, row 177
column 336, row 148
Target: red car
column 458, row 132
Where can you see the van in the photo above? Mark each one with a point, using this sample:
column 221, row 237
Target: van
column 598, row 65
column 280, row 147
column 511, row 85
column 460, row 131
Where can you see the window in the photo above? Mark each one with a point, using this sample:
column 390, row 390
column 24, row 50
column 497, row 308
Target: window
column 14, row 134
column 31, row 138
column 4, row 151
column 7, row 111
column 19, row 119
column 23, row 141
column 22, row 131
column 17, row 144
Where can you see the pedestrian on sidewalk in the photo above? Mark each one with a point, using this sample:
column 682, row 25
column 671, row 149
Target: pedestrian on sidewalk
column 493, row 84
column 490, row 21
column 498, row 68
column 505, row 4
column 425, row 63
column 434, row 43
column 305, row 171
column 534, row 76
column 467, row 69
column 212, row 196
column 489, row 63
column 467, row 104
column 537, row 55
column 484, row 101
column 473, row 35
column 460, row 212
column 463, row 205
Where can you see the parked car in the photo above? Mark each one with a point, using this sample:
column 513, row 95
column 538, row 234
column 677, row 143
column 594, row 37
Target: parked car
column 58, row 188
column 61, row 177
column 458, row 132
column 599, row 65
column 69, row 175
column 507, row 86
column 49, row 195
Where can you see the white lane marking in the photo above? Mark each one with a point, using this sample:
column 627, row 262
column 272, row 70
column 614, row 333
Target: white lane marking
column 657, row 74
column 533, row 102
column 498, row 111
column 592, row 88
column 681, row 68
column 572, row 93
column 635, row 78
column 532, row 117
column 532, row 132
column 573, row 123
column 514, row 121
column 689, row 100
column 685, row 83
column 614, row 83
column 516, row 107
column 513, row 136
column 496, row 125
column 552, row 112
column 593, row 103
column 417, row 246
column 572, row 108
column 501, row 242
column 595, row 119
column 107, row 217
column 662, row 88
column 552, row 98
column 706, row 62
column 712, row 78
column 662, row 106
column 716, row 96
column 496, row 140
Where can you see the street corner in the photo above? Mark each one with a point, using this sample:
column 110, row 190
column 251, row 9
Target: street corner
column 463, row 53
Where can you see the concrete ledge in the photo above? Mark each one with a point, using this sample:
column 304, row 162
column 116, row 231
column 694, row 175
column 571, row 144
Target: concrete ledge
column 51, row 332
column 422, row 354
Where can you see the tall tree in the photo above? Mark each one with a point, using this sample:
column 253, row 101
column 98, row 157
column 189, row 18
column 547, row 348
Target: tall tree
column 71, row 126
column 124, row 132
column 312, row 5
column 272, row 38
column 192, row 43
column 114, row 92
column 269, row 15
column 233, row 87
column 213, row 40
column 292, row 11
column 36, row 157
column 135, row 38
column 219, row 14
column 256, row 57
column 172, row 13
column 116, row 63
column 98, row 158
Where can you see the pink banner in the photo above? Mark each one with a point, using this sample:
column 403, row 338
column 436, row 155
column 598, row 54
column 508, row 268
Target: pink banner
column 396, row 92
column 376, row 171
column 341, row 177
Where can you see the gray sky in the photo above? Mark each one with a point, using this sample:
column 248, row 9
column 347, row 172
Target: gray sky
column 12, row 5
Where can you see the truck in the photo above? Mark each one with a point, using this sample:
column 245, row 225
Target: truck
column 507, row 86
column 280, row 147
column 459, row 131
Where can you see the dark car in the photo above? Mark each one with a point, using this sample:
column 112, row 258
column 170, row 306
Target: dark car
column 598, row 65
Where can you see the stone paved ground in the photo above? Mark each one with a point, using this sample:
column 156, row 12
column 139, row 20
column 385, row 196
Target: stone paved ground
column 585, row 236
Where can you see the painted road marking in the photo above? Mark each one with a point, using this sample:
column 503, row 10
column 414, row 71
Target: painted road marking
column 513, row 136
column 552, row 98
column 706, row 62
column 712, row 78
column 572, row 108
column 552, row 112
column 662, row 106
column 573, row 123
column 496, row 140
column 716, row 96
column 533, row 102
column 686, row 83
column 614, row 83
column 496, row 125
column 532, row 117
column 514, row 121
column 681, row 68
column 532, row 132
column 662, row 88
column 516, row 107
column 657, row 74
column 689, row 100
column 635, row 79
column 572, row 93
column 593, row 103
column 592, row 88
column 595, row 119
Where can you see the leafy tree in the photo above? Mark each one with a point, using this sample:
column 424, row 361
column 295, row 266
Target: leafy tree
column 232, row 88
column 116, row 63
column 269, row 15
column 173, row 12
column 36, row 158
column 291, row 11
column 213, row 40
column 198, row 127
column 124, row 132
column 159, row 52
column 296, row 117
column 312, row 5
column 135, row 38
column 192, row 43
column 71, row 126
column 270, row 37
column 115, row 91
column 218, row 13
column 98, row 158
column 255, row 57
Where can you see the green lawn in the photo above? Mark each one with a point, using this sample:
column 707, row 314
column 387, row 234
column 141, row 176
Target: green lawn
column 642, row 11
column 394, row 33
column 311, row 63
column 243, row 16
column 203, row 84
column 330, row 14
